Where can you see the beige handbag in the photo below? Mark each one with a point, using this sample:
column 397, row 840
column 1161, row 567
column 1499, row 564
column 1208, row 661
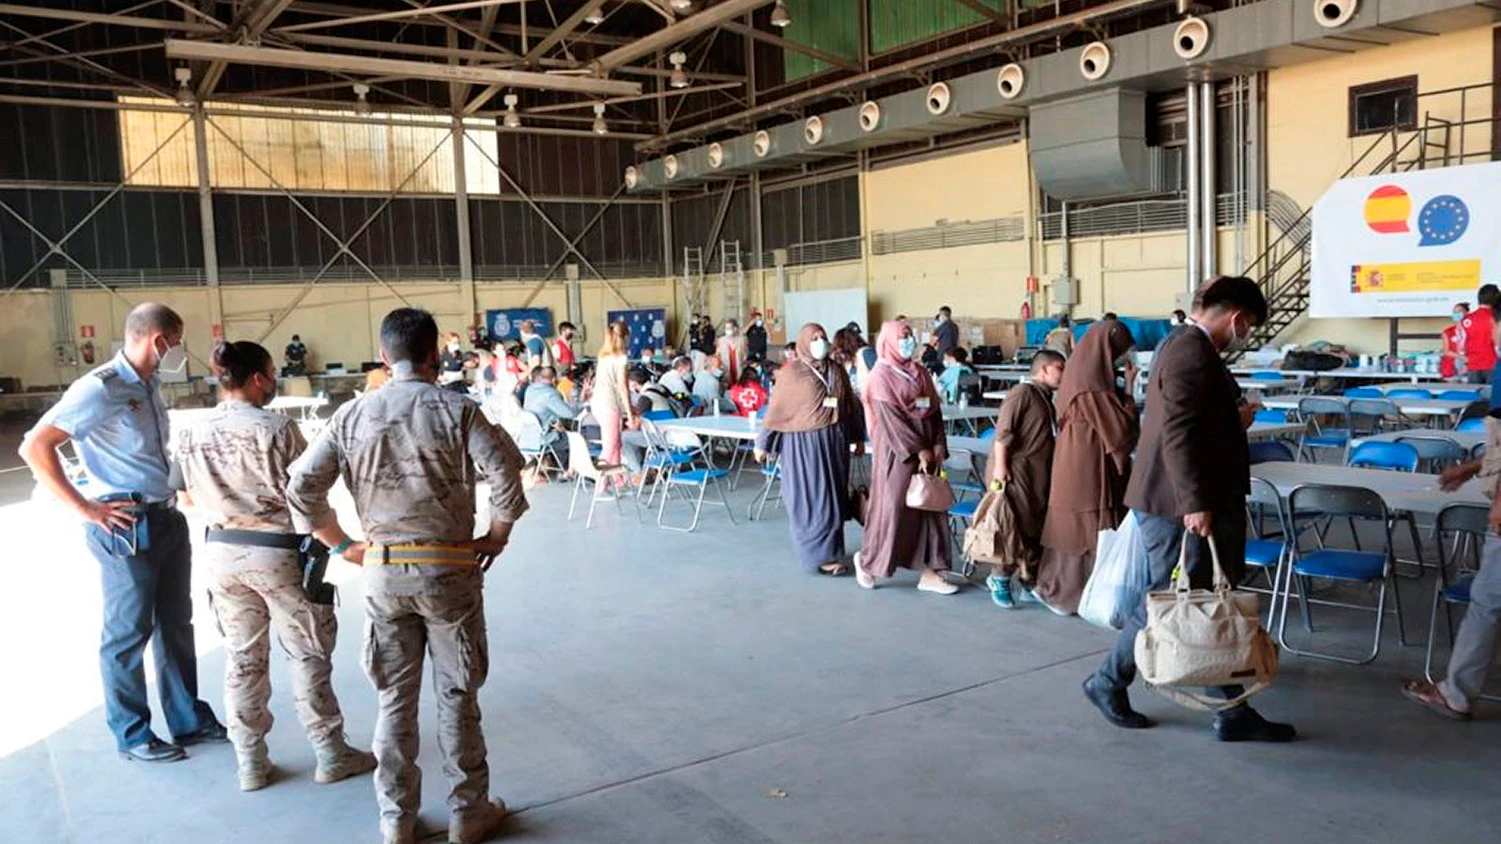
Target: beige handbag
column 982, row 540
column 1204, row 637
column 929, row 492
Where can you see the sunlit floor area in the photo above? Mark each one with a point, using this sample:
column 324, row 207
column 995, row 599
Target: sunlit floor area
column 654, row 687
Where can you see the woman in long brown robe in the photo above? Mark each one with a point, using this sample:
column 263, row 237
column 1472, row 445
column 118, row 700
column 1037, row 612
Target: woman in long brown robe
column 904, row 417
column 1097, row 429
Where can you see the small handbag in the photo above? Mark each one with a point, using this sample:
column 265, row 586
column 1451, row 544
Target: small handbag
column 1204, row 637
column 929, row 492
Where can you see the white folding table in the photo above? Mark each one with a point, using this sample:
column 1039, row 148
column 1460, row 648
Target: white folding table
column 1409, row 407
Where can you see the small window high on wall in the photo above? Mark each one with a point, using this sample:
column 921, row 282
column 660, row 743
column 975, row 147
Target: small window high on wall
column 1382, row 106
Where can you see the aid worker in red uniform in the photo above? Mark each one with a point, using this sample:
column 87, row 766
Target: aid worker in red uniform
column 1452, row 363
column 1480, row 342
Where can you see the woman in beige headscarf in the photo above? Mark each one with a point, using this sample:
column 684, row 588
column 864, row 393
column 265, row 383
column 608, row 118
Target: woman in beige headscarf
column 811, row 422
column 1097, row 430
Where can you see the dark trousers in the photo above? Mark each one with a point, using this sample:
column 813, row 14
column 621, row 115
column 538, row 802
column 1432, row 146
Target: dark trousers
column 1163, row 539
column 147, row 598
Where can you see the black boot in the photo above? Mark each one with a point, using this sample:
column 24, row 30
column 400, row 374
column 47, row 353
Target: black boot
column 1242, row 723
column 1115, row 706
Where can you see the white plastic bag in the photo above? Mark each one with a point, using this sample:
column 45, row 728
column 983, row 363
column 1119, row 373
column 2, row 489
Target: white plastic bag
column 1119, row 565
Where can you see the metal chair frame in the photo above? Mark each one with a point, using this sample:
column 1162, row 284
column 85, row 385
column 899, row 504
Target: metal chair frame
column 1469, row 524
column 1313, row 407
column 701, row 477
column 587, row 471
column 1264, row 495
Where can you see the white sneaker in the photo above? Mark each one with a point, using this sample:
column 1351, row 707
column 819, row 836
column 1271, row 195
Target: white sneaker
column 863, row 577
column 937, row 586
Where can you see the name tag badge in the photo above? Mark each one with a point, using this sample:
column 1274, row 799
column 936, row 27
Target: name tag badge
column 924, row 403
column 831, row 402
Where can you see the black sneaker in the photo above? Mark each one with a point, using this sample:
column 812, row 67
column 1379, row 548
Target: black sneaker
column 1115, row 706
column 154, row 750
column 1242, row 723
column 214, row 733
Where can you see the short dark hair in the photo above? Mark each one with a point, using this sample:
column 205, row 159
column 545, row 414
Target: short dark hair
column 296, row 338
column 1110, row 315
column 540, row 372
column 409, row 334
column 1465, row 305
column 567, row 326
column 1489, row 295
column 958, row 353
column 236, row 363
column 637, row 375
column 946, row 311
column 1234, row 291
column 1046, row 357
column 149, row 317
column 1064, row 321
column 792, row 345
column 1178, row 313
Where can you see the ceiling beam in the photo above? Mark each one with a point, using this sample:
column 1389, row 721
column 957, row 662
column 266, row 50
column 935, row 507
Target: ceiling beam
column 566, row 28
column 339, row 62
column 662, row 8
column 982, row 9
column 655, row 95
column 100, row 17
column 788, row 44
column 398, row 14
column 249, row 28
column 670, row 35
column 399, row 47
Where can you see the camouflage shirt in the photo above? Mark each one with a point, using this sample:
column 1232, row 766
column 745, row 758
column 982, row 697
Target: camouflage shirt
column 233, row 463
column 411, row 455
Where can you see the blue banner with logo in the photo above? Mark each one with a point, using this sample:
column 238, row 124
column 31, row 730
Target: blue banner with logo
column 505, row 324
column 648, row 328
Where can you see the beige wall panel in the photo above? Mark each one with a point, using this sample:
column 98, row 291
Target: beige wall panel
column 978, row 185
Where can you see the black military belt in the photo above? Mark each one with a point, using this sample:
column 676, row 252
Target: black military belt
column 256, row 538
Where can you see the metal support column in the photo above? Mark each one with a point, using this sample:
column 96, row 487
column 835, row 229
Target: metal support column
column 461, row 216
column 1194, row 199
column 1209, row 234
column 206, row 217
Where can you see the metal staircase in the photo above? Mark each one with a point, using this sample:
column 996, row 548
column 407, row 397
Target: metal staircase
column 1283, row 270
column 732, row 279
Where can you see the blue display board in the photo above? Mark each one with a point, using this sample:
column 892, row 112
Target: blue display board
column 1148, row 332
column 505, row 324
column 648, row 327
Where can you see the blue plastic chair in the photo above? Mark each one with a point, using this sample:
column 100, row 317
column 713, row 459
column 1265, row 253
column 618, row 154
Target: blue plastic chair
column 1397, row 457
column 699, row 474
column 1271, row 451
column 960, row 515
column 1437, row 452
column 1271, row 417
column 1468, row 524
column 1409, row 393
column 1269, row 375
column 772, row 473
column 1364, row 393
column 1459, row 395
column 988, row 435
column 1335, row 435
column 1318, row 501
column 1471, row 426
column 1266, row 552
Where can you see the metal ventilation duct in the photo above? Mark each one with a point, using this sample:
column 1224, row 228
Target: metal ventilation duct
column 1091, row 146
column 1246, row 39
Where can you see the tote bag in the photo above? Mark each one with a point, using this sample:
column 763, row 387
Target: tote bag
column 1204, row 637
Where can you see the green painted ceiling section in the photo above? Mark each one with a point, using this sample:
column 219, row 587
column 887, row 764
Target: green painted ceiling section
column 833, row 26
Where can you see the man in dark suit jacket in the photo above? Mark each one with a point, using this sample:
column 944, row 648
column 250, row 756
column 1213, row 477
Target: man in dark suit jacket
column 1190, row 481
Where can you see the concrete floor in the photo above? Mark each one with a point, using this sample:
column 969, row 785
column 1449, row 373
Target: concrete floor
column 653, row 687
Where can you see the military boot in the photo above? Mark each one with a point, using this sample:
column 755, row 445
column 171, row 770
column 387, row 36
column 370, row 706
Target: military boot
column 398, row 833
column 477, row 824
column 338, row 761
column 254, row 766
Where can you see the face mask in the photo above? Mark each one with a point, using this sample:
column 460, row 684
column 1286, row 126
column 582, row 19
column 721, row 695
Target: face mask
column 906, row 347
column 271, row 393
column 1458, row 317
column 173, row 359
column 759, row 323
column 938, row 319
column 819, row 348
column 717, row 373
column 453, row 347
column 1237, row 342
column 729, row 331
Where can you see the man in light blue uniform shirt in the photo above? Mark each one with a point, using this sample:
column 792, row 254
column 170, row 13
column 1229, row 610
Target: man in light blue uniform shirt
column 115, row 417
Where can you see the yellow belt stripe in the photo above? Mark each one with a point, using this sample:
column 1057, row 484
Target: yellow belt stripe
column 413, row 555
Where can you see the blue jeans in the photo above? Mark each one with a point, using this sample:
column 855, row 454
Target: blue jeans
column 1163, row 539
column 147, row 598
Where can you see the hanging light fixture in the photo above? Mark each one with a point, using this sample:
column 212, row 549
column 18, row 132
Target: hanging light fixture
column 596, row 15
column 779, row 16
column 512, row 118
column 679, row 78
column 361, row 105
column 682, row 5
column 185, row 96
column 600, row 127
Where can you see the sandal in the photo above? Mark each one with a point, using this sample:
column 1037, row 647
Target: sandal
column 834, row 570
column 1427, row 694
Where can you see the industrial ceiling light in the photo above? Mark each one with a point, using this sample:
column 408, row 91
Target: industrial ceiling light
column 600, row 127
column 596, row 15
column 361, row 105
column 512, row 119
column 679, row 78
column 185, row 97
column 682, row 5
column 779, row 16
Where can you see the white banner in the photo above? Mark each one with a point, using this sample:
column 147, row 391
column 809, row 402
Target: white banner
column 1406, row 244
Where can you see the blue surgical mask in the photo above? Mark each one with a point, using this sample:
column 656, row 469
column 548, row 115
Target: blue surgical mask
column 907, row 347
column 1458, row 316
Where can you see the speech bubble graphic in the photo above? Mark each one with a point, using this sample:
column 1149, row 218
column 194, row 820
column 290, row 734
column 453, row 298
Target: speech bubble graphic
column 1443, row 220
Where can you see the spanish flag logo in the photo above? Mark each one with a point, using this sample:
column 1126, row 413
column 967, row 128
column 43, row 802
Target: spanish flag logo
column 1387, row 210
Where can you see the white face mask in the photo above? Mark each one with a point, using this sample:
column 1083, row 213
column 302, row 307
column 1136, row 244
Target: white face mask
column 1237, row 341
column 173, row 359
column 453, row 347
column 906, row 348
column 819, row 348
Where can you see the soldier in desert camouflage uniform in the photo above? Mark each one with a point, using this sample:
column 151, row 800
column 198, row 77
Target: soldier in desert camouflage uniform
column 411, row 454
column 233, row 464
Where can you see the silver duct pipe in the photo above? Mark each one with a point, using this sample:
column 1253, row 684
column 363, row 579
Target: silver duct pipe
column 1209, row 231
column 1194, row 198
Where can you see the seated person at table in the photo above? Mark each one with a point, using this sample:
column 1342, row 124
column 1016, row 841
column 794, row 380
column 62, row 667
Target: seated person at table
column 955, row 366
column 646, row 395
column 545, row 402
column 706, row 382
column 679, row 379
column 748, row 395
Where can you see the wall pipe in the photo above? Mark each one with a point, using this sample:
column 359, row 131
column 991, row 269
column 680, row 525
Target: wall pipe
column 1194, row 197
column 1209, row 230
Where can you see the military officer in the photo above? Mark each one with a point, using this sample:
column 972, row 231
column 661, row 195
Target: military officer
column 410, row 454
column 233, row 463
column 115, row 418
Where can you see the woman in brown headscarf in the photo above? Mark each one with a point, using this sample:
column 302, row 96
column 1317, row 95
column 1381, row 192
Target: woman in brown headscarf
column 1097, row 431
column 904, row 415
column 811, row 421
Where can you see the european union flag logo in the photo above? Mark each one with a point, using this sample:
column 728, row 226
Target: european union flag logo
column 1443, row 220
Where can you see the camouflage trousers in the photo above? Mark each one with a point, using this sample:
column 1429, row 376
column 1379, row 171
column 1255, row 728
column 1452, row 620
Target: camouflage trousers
column 255, row 591
column 439, row 610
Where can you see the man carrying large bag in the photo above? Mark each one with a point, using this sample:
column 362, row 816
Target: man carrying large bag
column 1191, row 478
